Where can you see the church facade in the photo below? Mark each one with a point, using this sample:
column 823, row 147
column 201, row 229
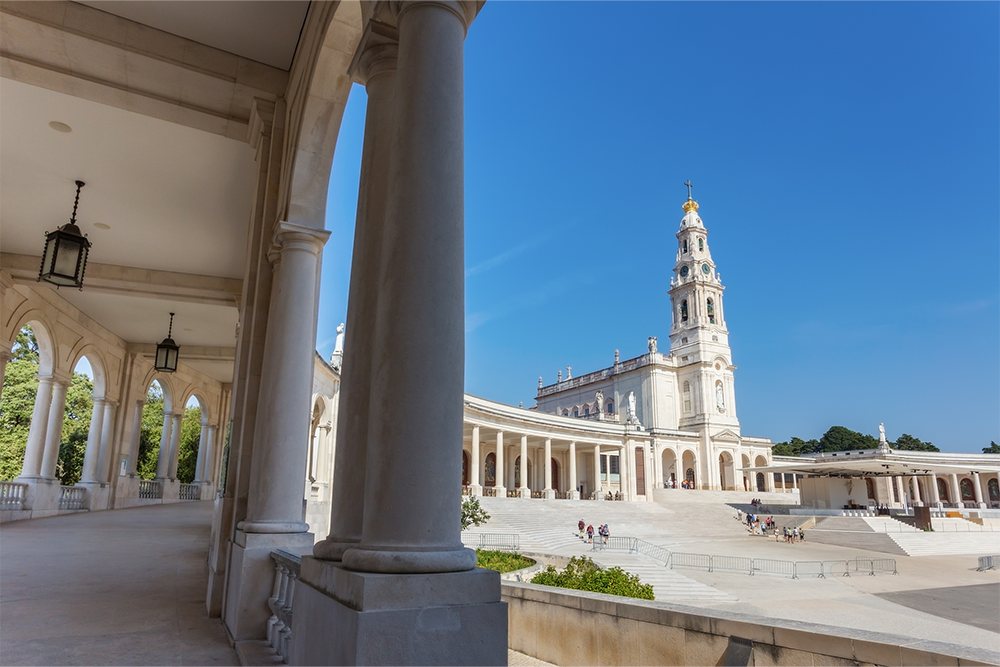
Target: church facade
column 683, row 400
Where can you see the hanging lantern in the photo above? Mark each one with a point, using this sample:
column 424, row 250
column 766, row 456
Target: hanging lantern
column 65, row 257
column 166, row 352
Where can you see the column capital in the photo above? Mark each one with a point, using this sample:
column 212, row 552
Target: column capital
column 376, row 53
column 292, row 236
column 465, row 10
column 261, row 120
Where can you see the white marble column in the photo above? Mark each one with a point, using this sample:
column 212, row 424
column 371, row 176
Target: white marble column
column 35, row 447
column 377, row 69
column 900, row 490
column 199, row 468
column 597, row 473
column 935, row 495
column 53, row 432
column 163, row 453
column 175, row 444
column 280, row 451
column 978, row 490
column 523, row 489
column 501, row 490
column 916, row 491
column 210, row 436
column 475, row 488
column 107, row 441
column 92, row 456
column 956, row 491
column 623, row 478
column 574, row 484
column 133, row 448
column 548, row 491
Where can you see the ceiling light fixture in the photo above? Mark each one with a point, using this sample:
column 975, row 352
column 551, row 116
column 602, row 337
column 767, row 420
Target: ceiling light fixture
column 60, row 127
column 65, row 256
column 101, row 225
column 166, row 352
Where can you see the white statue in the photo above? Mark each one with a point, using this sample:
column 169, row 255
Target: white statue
column 337, row 358
column 600, row 401
column 720, row 397
column 881, row 434
column 630, row 402
column 651, row 342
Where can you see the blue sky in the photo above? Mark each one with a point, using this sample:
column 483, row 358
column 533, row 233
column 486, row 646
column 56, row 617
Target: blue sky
column 845, row 157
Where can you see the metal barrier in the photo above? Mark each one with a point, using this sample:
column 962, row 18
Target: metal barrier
column 988, row 563
column 678, row 559
column 837, row 568
column 732, row 563
column 809, row 568
column 498, row 541
column 651, row 551
column 884, row 565
column 770, row 566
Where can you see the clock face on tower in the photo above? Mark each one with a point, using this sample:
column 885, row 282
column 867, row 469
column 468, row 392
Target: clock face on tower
column 705, row 269
column 684, row 271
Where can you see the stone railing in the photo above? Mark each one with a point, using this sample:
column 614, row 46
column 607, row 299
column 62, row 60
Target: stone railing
column 149, row 488
column 279, row 627
column 190, row 492
column 537, row 494
column 490, row 491
column 513, row 493
column 72, row 497
column 12, row 495
column 466, row 490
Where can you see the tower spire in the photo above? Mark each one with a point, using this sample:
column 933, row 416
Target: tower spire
column 689, row 186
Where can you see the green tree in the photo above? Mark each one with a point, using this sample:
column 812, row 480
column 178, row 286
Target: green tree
column 20, row 384
column 994, row 448
column 795, row 447
column 187, row 457
column 841, row 438
column 76, row 427
column 149, row 436
column 909, row 443
column 473, row 513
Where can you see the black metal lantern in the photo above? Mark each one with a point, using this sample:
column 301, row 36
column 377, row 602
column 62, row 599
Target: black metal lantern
column 166, row 352
column 66, row 250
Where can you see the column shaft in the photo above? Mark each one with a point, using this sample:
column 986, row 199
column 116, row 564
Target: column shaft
column 916, row 490
column 524, row 463
column 977, row 489
column 163, row 454
column 274, row 502
column 476, row 465
column 501, row 489
column 133, row 448
column 92, row 456
column 104, row 472
column 573, row 483
column 956, row 491
column 597, row 472
column 199, row 468
column 35, row 447
column 53, row 432
column 175, row 444
column 378, row 69
column 208, row 473
column 548, row 464
column 935, row 494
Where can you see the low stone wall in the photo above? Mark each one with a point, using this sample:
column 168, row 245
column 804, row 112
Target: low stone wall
column 567, row 627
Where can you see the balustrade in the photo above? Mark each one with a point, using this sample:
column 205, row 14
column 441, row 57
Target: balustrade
column 190, row 492
column 12, row 495
column 279, row 627
column 149, row 488
column 72, row 497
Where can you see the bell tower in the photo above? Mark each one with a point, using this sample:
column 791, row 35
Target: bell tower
column 699, row 339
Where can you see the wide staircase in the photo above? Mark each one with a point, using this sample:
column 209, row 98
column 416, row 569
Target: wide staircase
column 888, row 535
column 551, row 528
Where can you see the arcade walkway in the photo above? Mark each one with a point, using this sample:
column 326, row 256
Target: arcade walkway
column 110, row 588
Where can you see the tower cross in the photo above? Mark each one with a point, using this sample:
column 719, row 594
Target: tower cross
column 688, row 184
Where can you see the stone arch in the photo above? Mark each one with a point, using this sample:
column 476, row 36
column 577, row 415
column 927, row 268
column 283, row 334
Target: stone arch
column 689, row 464
column 47, row 344
column 97, row 364
column 204, row 404
column 318, row 412
column 318, row 107
column 490, row 476
column 727, row 471
column 965, row 489
column 942, row 490
column 668, row 459
column 165, row 384
column 761, row 482
column 744, row 464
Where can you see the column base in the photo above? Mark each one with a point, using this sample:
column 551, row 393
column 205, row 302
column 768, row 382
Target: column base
column 500, row 491
column 574, row 495
column 98, row 495
column 599, row 494
column 982, row 506
column 524, row 492
column 360, row 618
column 548, row 494
column 475, row 489
column 250, row 574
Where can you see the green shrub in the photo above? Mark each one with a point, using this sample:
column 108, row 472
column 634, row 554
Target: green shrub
column 583, row 574
column 473, row 513
column 502, row 561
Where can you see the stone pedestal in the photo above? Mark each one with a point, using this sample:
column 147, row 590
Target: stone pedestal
column 42, row 497
column 475, row 489
column 358, row 618
column 574, row 495
column 524, row 492
column 222, row 517
column 98, row 495
column 549, row 494
column 251, row 579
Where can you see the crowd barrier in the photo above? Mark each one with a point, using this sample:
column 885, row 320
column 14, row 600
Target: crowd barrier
column 497, row 541
column 988, row 563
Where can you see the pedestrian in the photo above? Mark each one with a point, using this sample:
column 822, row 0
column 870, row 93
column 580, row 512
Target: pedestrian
column 775, row 534
column 795, row 534
column 581, row 526
column 607, row 533
column 590, row 534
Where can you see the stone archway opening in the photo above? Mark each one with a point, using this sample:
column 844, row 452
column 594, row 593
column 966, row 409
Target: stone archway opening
column 669, row 463
column 195, row 417
column 727, row 472
column 689, row 462
column 152, row 428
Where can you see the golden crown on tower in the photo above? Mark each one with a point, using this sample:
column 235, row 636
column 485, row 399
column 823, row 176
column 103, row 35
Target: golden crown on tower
column 690, row 205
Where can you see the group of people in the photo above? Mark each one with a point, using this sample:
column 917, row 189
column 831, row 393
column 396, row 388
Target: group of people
column 753, row 523
column 791, row 535
column 756, row 502
column 613, row 496
column 882, row 510
column 588, row 530
column 672, row 484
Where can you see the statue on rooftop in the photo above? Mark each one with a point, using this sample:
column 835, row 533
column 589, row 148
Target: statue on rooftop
column 600, row 401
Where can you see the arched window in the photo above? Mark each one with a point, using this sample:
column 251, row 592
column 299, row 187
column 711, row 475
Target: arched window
column 687, row 396
column 993, row 487
column 517, row 472
column 761, row 482
column 491, row 470
column 942, row 490
column 684, row 310
column 711, row 311
column 689, row 475
column 685, row 245
column 965, row 486
column 701, row 244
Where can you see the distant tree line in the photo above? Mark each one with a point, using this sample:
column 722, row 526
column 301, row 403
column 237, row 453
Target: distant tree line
column 841, row 438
